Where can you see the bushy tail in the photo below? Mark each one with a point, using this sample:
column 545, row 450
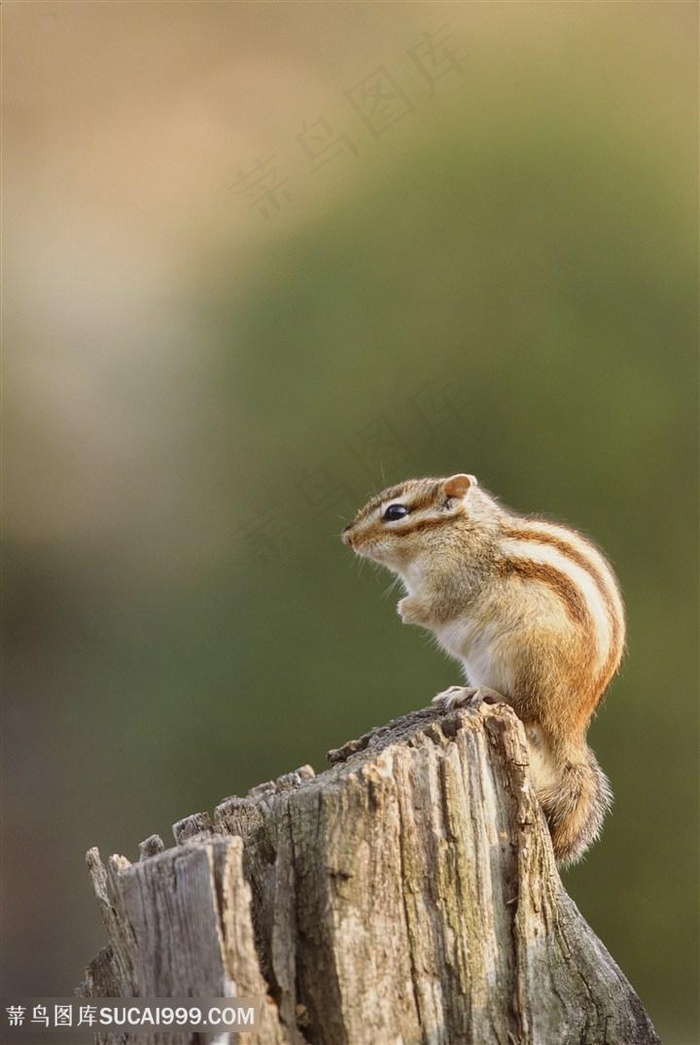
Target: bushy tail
column 576, row 804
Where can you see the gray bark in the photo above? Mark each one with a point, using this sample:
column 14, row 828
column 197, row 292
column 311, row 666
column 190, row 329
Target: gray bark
column 406, row 896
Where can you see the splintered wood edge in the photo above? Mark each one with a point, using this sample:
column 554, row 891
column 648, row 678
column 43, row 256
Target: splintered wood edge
column 426, row 720
column 498, row 721
column 486, row 732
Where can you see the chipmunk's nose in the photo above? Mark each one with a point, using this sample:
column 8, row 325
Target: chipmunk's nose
column 346, row 536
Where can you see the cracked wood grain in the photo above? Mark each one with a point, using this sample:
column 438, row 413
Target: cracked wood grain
column 406, row 896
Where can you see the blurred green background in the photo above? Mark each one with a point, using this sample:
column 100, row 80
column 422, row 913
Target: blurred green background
column 262, row 260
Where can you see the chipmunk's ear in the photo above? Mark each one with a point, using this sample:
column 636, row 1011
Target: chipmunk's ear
column 457, row 485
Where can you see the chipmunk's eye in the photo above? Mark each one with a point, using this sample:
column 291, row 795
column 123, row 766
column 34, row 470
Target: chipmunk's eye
column 395, row 511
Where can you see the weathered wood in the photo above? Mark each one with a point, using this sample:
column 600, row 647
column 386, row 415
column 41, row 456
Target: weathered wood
column 406, row 895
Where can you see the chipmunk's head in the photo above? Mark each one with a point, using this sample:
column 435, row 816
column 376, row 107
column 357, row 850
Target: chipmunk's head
column 398, row 525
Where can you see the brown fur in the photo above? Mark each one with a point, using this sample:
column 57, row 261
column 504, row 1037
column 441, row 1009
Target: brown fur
column 576, row 806
column 539, row 646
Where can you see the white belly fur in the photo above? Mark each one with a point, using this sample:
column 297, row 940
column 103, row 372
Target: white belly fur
column 486, row 653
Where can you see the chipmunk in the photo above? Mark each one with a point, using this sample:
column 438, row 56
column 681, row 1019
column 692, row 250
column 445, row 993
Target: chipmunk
column 532, row 610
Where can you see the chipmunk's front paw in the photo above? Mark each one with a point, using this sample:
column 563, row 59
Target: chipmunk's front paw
column 466, row 697
column 412, row 611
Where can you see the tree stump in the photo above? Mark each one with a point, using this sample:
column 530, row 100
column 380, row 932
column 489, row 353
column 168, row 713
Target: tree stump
column 406, row 896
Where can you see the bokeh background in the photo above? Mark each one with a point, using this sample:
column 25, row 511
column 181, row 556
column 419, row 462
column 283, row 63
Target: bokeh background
column 260, row 260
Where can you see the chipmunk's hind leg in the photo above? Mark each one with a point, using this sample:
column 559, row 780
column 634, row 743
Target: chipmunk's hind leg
column 467, row 697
